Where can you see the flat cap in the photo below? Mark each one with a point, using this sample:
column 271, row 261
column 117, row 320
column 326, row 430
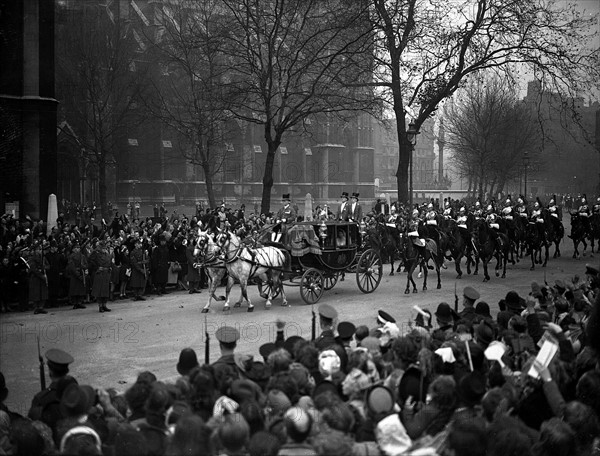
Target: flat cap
column 227, row 335
column 327, row 311
column 346, row 329
column 592, row 270
column 57, row 357
column 384, row 317
column 471, row 293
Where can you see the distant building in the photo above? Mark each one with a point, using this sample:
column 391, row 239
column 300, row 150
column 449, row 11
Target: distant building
column 150, row 164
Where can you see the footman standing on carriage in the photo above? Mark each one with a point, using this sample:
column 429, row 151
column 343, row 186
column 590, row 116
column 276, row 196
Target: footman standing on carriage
column 286, row 216
column 344, row 208
column 355, row 212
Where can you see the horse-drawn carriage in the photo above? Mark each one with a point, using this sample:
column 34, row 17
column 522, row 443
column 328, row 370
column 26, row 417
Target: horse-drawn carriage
column 313, row 256
column 323, row 252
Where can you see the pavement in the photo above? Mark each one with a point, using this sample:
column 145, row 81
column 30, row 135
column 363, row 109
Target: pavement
column 111, row 349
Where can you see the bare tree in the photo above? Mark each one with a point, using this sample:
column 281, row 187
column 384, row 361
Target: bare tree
column 98, row 68
column 188, row 94
column 293, row 59
column 489, row 130
column 427, row 50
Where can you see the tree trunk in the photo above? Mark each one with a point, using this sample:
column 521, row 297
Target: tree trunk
column 208, row 180
column 102, row 189
column 265, row 204
column 404, row 149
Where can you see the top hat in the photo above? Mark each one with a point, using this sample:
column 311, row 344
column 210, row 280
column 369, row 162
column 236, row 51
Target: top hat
column 345, row 195
column 285, row 197
column 355, row 195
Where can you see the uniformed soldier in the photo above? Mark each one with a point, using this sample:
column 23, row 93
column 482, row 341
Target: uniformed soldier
column 493, row 222
column 100, row 264
column 431, row 216
column 343, row 208
column 355, row 211
column 521, row 208
column 596, row 209
column 461, row 218
column 38, row 280
column 584, row 213
column 468, row 314
column 327, row 322
column 538, row 219
column 286, row 216
column 554, row 209
column 227, row 337
column 507, row 210
column 77, row 270
column 448, row 211
column 478, row 210
column 45, row 405
column 413, row 229
column 139, row 270
column 383, row 317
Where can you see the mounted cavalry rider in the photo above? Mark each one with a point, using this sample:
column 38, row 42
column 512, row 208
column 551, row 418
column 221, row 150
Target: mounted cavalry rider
column 477, row 210
column 584, row 214
column 507, row 210
column 596, row 209
column 431, row 216
column 413, row 229
column 448, row 211
column 392, row 219
column 538, row 219
column 553, row 208
column 521, row 208
column 493, row 222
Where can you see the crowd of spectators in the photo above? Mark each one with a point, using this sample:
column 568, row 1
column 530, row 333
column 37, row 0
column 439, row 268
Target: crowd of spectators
column 522, row 382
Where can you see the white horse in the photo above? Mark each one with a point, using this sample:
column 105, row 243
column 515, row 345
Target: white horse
column 207, row 256
column 244, row 263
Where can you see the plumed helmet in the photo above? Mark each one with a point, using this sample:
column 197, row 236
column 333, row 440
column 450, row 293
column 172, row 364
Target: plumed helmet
column 490, row 207
column 477, row 204
column 415, row 212
column 430, row 206
column 462, row 209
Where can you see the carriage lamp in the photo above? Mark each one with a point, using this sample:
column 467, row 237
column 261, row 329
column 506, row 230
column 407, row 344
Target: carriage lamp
column 323, row 231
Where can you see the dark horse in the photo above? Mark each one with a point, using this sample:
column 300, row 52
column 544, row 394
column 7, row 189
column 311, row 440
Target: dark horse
column 535, row 243
column 578, row 234
column 385, row 240
column 459, row 244
column 555, row 231
column 595, row 230
column 414, row 255
column 487, row 248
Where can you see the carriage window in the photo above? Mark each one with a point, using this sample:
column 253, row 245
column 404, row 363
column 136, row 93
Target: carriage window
column 341, row 239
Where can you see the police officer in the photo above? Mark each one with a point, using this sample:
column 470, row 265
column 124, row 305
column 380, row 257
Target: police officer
column 227, row 337
column 45, row 405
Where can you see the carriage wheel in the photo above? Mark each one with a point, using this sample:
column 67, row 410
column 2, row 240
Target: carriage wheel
column 330, row 280
column 268, row 287
column 369, row 271
column 311, row 286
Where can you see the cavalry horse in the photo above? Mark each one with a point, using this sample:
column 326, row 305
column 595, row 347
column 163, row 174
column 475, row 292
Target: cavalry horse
column 555, row 231
column 578, row 234
column 536, row 243
column 206, row 253
column 264, row 265
column 487, row 248
column 414, row 255
column 385, row 240
column 459, row 244
column 595, row 230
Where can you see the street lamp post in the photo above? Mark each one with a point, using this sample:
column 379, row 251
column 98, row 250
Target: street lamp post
column 411, row 137
column 525, row 164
